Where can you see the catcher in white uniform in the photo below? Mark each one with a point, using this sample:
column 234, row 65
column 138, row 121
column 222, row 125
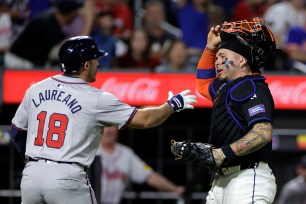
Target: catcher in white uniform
column 120, row 165
column 57, row 127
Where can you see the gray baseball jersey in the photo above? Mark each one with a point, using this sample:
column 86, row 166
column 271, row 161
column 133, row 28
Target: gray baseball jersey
column 119, row 168
column 64, row 117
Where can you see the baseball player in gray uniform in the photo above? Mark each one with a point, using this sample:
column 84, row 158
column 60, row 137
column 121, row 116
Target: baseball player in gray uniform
column 121, row 166
column 57, row 127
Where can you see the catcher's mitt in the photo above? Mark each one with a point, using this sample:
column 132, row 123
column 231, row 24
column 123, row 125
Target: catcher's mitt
column 198, row 153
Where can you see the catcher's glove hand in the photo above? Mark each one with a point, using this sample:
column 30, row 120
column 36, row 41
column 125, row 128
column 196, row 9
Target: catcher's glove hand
column 199, row 153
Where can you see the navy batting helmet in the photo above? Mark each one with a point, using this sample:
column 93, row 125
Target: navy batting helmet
column 75, row 51
column 252, row 39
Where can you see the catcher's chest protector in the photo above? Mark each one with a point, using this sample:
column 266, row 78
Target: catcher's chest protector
column 228, row 123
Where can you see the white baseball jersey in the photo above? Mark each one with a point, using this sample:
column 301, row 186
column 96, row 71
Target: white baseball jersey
column 117, row 170
column 280, row 23
column 64, row 117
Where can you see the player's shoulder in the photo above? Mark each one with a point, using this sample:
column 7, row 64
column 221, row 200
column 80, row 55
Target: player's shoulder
column 125, row 149
column 294, row 184
column 106, row 97
column 260, row 83
column 246, row 87
column 39, row 83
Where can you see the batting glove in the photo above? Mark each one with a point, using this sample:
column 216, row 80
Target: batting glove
column 181, row 101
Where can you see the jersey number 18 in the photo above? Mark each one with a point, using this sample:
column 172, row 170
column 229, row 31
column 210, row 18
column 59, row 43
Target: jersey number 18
column 57, row 126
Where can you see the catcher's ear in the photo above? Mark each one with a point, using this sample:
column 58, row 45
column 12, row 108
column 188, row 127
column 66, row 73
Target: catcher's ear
column 243, row 61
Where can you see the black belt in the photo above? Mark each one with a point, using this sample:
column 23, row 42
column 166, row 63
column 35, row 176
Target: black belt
column 230, row 169
column 249, row 165
column 60, row 162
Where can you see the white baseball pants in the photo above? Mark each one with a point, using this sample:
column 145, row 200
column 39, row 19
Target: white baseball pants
column 250, row 186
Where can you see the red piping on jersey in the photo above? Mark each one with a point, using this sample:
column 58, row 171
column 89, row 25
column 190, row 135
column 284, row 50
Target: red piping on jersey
column 131, row 117
column 64, row 82
column 17, row 128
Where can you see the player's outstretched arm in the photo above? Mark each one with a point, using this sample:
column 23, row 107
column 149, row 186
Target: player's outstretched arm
column 161, row 183
column 154, row 116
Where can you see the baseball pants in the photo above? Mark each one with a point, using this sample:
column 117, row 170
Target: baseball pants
column 50, row 182
column 250, row 186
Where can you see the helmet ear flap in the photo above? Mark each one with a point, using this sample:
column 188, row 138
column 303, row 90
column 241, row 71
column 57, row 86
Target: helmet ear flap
column 265, row 49
column 259, row 56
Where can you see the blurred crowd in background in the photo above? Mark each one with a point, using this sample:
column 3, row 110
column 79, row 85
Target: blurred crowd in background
column 142, row 35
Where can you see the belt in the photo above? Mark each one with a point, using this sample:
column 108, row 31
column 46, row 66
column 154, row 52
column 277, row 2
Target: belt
column 232, row 169
column 51, row 161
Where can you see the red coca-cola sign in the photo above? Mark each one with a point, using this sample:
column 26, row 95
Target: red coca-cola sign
column 289, row 92
column 139, row 90
column 142, row 89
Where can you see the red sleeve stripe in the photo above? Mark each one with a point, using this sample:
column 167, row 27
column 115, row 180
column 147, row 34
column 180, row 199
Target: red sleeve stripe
column 131, row 117
column 18, row 129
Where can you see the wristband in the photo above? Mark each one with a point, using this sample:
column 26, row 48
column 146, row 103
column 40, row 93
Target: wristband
column 229, row 153
column 176, row 102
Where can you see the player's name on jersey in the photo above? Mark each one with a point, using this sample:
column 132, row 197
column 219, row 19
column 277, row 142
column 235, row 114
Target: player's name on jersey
column 55, row 95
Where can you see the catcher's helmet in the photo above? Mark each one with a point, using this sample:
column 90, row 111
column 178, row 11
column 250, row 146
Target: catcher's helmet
column 255, row 35
column 75, row 51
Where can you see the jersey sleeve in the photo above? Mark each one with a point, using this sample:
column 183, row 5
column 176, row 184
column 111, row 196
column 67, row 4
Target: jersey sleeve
column 20, row 120
column 260, row 106
column 206, row 73
column 140, row 171
column 111, row 110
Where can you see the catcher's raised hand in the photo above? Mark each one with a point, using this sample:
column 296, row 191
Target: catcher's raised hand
column 181, row 101
column 213, row 37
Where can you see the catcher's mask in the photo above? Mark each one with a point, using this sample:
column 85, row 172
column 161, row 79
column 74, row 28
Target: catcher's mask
column 251, row 39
